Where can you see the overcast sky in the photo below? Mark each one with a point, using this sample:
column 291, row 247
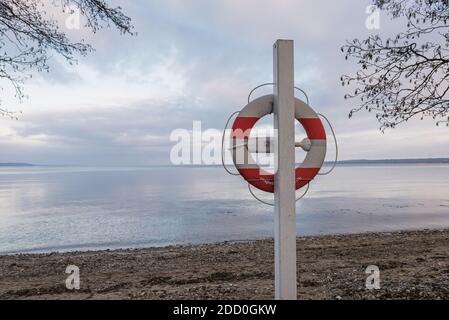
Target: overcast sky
column 197, row 60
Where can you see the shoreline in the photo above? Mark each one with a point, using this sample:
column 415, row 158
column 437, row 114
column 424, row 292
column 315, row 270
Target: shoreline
column 413, row 265
column 104, row 248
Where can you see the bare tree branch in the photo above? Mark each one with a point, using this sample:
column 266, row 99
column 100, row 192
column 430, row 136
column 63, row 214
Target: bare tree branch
column 28, row 35
column 407, row 75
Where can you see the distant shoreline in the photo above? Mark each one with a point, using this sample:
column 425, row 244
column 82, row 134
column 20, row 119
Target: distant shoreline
column 394, row 161
column 16, row 164
column 341, row 162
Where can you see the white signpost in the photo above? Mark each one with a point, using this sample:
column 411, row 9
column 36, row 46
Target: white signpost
column 287, row 177
column 284, row 185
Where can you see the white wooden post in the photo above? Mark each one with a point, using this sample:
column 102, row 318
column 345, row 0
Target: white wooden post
column 285, row 215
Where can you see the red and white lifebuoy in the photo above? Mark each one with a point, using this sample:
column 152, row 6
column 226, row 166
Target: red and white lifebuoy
column 241, row 131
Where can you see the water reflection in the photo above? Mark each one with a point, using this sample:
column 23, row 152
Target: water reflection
column 57, row 208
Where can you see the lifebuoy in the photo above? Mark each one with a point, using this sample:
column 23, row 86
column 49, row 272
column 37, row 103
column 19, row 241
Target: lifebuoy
column 241, row 131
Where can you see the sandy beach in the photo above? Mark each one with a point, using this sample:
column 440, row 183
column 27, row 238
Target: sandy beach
column 413, row 265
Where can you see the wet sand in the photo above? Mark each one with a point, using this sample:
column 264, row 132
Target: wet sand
column 413, row 265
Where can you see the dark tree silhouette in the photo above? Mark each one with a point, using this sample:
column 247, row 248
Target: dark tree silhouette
column 406, row 75
column 29, row 34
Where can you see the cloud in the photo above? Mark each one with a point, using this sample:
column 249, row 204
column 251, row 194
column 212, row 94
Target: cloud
column 197, row 60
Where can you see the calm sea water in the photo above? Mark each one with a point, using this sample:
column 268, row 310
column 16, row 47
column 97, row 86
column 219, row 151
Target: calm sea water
column 77, row 208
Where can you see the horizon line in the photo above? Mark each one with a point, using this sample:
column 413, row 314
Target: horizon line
column 386, row 160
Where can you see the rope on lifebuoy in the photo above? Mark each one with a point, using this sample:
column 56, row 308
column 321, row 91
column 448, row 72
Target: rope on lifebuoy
column 222, row 146
column 308, row 184
column 272, row 84
column 272, row 204
column 336, row 147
